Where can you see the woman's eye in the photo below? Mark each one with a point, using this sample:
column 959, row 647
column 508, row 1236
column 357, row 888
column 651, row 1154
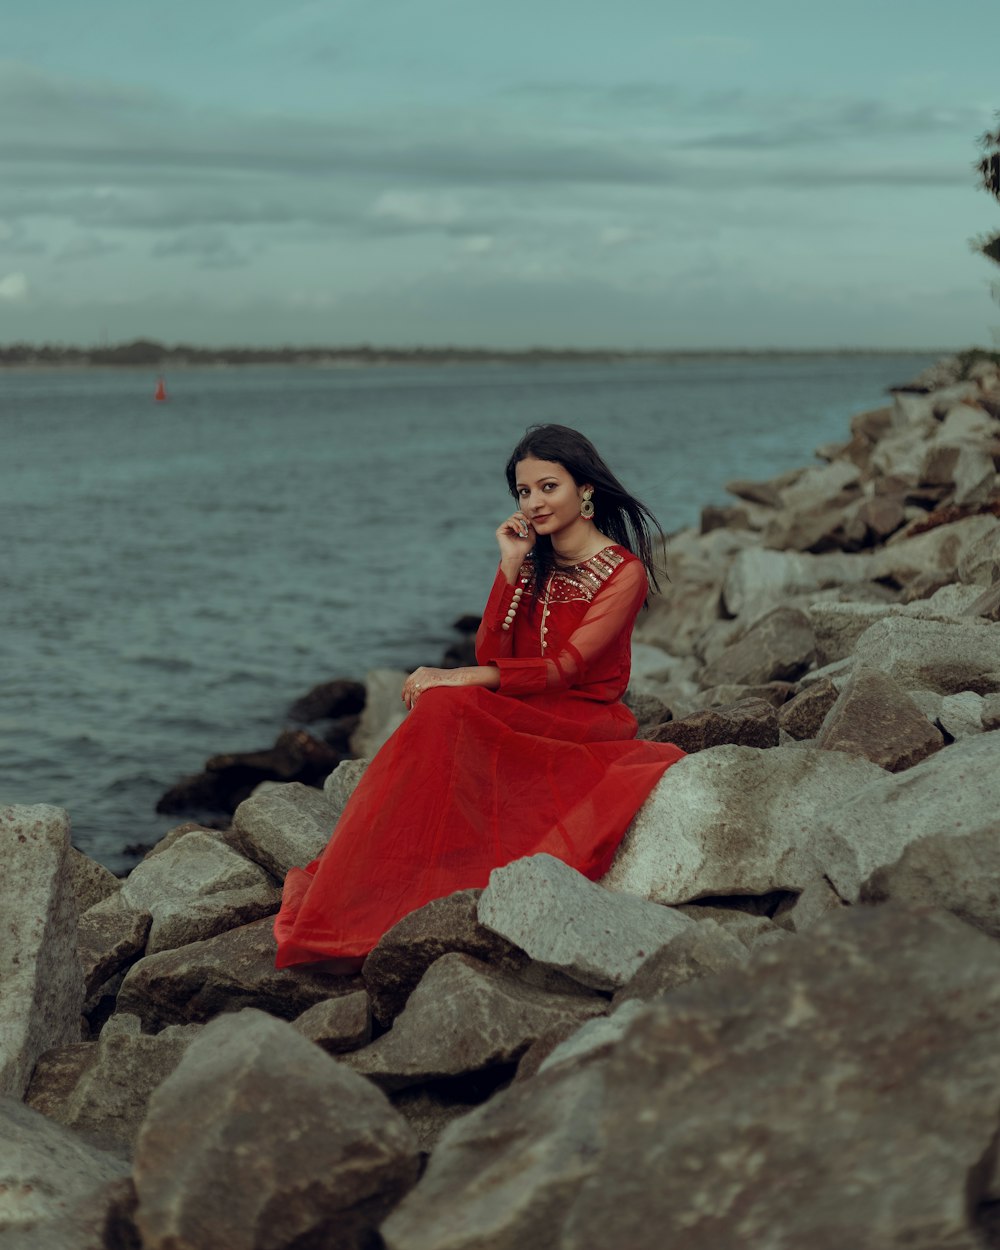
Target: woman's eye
column 549, row 486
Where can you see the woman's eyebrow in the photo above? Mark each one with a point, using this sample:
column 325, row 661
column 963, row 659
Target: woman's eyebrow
column 550, row 478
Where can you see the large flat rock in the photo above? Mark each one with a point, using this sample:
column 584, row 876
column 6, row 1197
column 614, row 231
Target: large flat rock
column 562, row 920
column 838, row 1091
column 778, row 647
column 41, row 981
column 258, row 1139
column 735, row 820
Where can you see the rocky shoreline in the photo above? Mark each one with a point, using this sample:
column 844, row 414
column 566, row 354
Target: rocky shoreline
column 773, row 1023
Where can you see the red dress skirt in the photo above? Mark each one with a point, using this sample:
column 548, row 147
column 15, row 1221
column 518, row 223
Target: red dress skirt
column 475, row 778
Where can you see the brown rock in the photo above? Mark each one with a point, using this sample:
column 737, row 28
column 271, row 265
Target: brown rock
column 775, row 692
column 329, row 700
column 105, row 1101
column 338, row 1024
column 394, row 968
column 882, row 515
column 779, row 647
column 229, row 779
column 802, row 716
column 767, row 493
column 750, row 723
column 714, row 517
column 259, row 1141
column 464, row 1017
column 89, row 880
column 224, row 973
column 875, row 718
column 111, row 935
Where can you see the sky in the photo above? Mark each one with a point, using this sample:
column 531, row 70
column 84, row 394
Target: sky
column 640, row 174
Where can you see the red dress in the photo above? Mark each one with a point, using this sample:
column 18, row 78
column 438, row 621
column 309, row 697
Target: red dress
column 475, row 778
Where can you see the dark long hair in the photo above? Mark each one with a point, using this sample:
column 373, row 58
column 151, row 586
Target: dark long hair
column 625, row 520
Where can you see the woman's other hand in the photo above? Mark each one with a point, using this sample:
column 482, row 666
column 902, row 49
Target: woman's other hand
column 423, row 679
column 515, row 537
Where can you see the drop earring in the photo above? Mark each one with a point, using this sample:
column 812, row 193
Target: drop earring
column 587, row 504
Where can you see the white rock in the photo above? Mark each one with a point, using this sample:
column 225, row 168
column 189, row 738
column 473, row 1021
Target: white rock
column 955, row 791
column 341, row 784
column 975, row 476
column 284, row 827
column 760, row 574
column 961, row 715
column 735, row 820
column 979, row 563
column 196, row 888
column 383, row 712
column 568, row 923
column 41, row 981
column 946, row 656
column 939, row 550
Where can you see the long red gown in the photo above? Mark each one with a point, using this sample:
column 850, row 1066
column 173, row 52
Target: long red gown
column 475, row 778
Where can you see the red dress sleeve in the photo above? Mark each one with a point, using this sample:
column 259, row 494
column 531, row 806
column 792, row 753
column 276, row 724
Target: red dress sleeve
column 492, row 640
column 611, row 614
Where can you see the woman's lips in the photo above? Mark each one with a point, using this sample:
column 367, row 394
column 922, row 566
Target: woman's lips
column 541, row 518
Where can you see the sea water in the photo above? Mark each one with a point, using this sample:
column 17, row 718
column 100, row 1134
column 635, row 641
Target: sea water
column 173, row 575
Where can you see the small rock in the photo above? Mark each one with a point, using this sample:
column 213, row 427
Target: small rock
column 329, row 700
column 107, row 1101
column 780, row 646
column 465, row 1017
column 110, row 936
column 568, row 923
column 340, row 785
column 802, row 716
column 337, row 1024
column 196, row 888
column 258, row 1139
column 961, row 714
column 284, row 827
column 874, row 718
column 701, row 951
column 749, row 723
column 222, row 974
column 393, row 969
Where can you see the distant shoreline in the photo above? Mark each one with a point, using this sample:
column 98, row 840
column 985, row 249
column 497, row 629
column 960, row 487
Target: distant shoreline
column 147, row 355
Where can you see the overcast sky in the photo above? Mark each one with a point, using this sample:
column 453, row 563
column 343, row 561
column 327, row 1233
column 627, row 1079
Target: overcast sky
column 506, row 172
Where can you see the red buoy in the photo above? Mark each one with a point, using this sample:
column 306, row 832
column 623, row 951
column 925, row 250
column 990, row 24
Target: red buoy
column 161, row 391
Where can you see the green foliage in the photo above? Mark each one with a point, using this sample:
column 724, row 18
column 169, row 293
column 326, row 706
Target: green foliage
column 988, row 170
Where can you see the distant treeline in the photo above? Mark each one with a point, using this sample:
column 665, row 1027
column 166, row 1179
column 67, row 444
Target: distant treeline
column 147, row 353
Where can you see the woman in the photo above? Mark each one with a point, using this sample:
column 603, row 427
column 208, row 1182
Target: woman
column 529, row 750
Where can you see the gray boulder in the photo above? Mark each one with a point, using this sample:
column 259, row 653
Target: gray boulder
column 700, row 951
column 802, row 716
column 959, row 873
column 955, row 792
column 734, row 820
column 568, row 923
column 934, row 655
column 282, row 826
column 383, row 712
column 223, row 974
column 89, row 880
column 779, row 647
column 258, row 1139
column 110, row 936
column 961, row 714
column 41, row 982
column 340, row 785
column 466, row 1017
column 741, row 1109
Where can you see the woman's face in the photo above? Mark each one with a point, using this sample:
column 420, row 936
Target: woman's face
column 547, row 495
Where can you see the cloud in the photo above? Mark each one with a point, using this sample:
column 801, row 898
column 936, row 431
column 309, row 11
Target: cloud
column 212, row 249
column 418, row 208
column 86, row 247
column 14, row 287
